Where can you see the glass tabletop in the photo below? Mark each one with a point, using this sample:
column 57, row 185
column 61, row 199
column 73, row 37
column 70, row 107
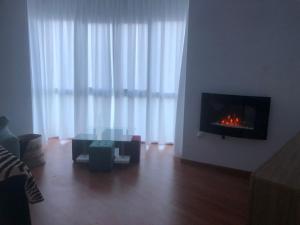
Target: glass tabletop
column 105, row 134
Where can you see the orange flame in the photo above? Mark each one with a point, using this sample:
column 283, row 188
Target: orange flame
column 230, row 120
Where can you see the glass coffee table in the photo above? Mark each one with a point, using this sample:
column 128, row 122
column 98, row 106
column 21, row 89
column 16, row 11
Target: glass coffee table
column 128, row 145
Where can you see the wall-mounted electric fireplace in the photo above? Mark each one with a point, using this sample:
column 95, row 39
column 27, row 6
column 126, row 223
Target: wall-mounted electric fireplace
column 235, row 115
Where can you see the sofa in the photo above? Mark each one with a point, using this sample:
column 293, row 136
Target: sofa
column 14, row 208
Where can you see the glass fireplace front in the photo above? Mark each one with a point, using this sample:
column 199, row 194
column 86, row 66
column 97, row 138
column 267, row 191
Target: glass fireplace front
column 235, row 115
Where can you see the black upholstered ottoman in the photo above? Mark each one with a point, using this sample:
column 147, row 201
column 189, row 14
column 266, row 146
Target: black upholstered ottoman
column 101, row 155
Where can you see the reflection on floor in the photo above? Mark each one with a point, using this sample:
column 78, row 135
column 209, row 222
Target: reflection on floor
column 159, row 191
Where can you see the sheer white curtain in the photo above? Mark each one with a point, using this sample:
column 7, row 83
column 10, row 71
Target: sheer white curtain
column 106, row 63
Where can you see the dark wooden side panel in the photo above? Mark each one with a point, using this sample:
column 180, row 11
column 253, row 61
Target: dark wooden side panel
column 133, row 149
column 273, row 204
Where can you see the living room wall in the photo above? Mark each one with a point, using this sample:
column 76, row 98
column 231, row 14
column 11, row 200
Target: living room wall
column 246, row 48
column 15, row 89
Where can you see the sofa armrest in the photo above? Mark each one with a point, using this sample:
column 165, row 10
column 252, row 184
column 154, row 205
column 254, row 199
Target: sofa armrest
column 14, row 209
column 11, row 144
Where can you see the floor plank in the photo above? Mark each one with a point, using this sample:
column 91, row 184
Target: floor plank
column 161, row 190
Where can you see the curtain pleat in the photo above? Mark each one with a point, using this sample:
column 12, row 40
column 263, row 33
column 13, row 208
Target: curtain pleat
column 99, row 64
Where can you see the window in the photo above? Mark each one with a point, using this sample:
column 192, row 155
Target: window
column 112, row 72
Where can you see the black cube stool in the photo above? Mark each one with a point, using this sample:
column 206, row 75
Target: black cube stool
column 101, row 155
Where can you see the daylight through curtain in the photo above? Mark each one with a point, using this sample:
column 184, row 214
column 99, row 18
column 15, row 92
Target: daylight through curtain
column 106, row 63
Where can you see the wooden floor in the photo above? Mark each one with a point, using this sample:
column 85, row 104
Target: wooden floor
column 160, row 190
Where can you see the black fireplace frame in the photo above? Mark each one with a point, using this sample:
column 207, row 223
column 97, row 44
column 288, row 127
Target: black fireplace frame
column 261, row 105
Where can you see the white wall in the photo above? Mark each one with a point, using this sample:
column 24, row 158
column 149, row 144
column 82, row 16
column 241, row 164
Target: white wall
column 15, row 89
column 247, row 48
